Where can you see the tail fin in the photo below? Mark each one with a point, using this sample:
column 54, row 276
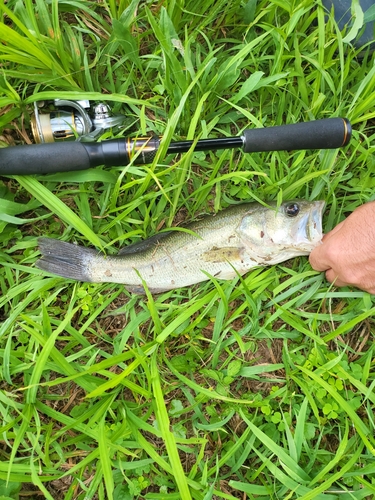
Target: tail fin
column 65, row 259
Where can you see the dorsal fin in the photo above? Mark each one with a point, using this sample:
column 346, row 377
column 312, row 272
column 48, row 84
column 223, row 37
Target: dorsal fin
column 141, row 246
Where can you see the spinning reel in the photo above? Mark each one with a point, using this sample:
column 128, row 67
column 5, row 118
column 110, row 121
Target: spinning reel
column 62, row 120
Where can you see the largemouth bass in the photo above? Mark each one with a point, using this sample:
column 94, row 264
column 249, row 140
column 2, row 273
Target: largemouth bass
column 223, row 245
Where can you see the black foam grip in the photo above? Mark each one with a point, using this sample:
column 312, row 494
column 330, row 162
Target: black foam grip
column 330, row 133
column 44, row 158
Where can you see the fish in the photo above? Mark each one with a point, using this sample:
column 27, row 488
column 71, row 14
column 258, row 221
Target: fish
column 223, row 246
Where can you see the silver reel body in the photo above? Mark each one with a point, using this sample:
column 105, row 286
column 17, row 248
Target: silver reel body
column 72, row 121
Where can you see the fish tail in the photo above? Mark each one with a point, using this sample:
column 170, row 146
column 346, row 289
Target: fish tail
column 65, row 259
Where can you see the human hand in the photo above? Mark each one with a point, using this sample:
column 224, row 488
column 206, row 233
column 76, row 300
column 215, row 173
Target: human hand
column 347, row 253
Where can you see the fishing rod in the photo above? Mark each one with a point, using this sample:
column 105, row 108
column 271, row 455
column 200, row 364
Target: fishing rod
column 329, row 133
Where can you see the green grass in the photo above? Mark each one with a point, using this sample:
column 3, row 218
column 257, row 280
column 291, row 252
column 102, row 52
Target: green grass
column 258, row 388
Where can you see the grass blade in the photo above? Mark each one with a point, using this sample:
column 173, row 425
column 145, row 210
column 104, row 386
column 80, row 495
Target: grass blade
column 168, row 437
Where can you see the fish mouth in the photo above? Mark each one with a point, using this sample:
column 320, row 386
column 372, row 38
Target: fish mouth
column 314, row 231
column 309, row 231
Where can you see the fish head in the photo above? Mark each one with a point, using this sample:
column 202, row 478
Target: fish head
column 276, row 233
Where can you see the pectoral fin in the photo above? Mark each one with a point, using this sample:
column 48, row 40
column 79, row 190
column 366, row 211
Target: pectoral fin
column 225, row 254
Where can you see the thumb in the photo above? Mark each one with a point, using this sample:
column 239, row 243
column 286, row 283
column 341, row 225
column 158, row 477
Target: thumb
column 318, row 259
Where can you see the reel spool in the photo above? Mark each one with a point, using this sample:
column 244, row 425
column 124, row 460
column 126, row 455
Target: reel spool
column 72, row 121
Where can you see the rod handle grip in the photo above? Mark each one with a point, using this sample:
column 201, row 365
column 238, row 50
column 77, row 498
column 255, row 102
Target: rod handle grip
column 43, row 158
column 330, row 133
column 70, row 156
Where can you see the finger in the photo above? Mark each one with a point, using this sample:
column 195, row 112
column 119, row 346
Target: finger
column 318, row 260
column 332, row 277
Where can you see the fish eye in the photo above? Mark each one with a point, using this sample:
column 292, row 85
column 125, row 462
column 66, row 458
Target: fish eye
column 292, row 209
